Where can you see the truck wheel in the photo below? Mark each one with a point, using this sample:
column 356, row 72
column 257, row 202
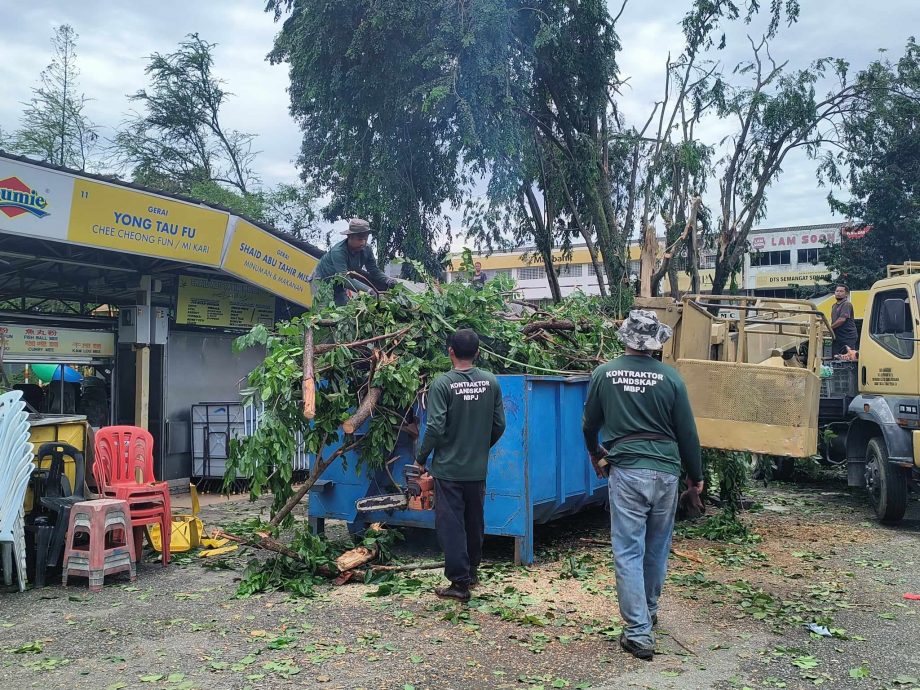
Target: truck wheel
column 886, row 484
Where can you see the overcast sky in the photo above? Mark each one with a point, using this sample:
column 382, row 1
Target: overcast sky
column 116, row 38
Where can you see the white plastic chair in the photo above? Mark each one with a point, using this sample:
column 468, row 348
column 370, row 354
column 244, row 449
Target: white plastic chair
column 15, row 470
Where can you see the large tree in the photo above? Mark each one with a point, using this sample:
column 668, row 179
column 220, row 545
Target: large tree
column 179, row 138
column 180, row 144
column 365, row 84
column 881, row 167
column 54, row 126
column 778, row 111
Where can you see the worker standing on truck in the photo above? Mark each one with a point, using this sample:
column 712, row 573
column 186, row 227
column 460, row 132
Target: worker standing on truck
column 843, row 322
column 641, row 409
column 466, row 418
column 351, row 255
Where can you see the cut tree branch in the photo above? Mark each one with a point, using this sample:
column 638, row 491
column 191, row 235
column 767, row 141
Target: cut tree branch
column 361, row 415
column 309, row 384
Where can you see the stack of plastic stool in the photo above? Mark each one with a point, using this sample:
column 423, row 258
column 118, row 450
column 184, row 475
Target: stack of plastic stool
column 107, row 523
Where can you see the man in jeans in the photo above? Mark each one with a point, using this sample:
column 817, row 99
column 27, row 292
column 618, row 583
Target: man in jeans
column 466, row 418
column 641, row 409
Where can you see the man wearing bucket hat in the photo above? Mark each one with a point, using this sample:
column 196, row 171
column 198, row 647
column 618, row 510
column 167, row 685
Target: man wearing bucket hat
column 641, row 410
column 351, row 255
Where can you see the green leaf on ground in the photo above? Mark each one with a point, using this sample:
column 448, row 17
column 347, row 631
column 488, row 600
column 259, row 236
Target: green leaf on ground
column 860, row 671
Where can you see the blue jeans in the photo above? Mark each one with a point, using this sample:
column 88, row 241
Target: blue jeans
column 642, row 507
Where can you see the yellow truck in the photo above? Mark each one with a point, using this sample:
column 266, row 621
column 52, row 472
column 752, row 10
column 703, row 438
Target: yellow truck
column 880, row 438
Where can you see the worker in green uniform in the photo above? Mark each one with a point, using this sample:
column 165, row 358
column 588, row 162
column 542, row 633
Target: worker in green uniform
column 641, row 409
column 466, row 418
column 351, row 255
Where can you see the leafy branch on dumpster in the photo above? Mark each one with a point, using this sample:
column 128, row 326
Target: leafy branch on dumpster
column 370, row 362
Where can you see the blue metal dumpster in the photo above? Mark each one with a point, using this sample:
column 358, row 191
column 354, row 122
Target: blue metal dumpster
column 539, row 470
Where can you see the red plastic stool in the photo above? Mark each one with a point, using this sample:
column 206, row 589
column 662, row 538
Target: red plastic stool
column 107, row 523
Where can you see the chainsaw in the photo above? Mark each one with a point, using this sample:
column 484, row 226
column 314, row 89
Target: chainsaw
column 418, row 494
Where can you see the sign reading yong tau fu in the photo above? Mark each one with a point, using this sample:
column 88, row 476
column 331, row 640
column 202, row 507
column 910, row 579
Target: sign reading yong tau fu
column 220, row 303
column 126, row 220
column 260, row 258
column 41, row 342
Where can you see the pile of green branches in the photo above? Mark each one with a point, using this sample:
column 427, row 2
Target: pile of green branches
column 393, row 345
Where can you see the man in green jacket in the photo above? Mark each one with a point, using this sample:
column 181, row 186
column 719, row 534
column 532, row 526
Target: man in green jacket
column 641, row 409
column 351, row 255
column 466, row 418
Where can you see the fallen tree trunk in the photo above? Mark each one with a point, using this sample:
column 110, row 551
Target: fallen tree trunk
column 356, row 557
column 406, row 568
column 548, row 326
column 361, row 415
column 315, row 472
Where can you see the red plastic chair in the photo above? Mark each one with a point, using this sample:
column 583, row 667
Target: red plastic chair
column 123, row 469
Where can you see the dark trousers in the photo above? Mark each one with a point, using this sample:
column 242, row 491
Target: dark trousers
column 458, row 513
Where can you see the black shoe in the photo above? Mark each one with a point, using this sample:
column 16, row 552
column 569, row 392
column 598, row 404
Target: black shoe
column 638, row 651
column 654, row 620
column 454, row 591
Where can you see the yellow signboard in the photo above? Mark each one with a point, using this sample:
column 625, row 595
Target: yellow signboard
column 36, row 343
column 262, row 259
column 126, row 220
column 783, row 280
column 219, row 303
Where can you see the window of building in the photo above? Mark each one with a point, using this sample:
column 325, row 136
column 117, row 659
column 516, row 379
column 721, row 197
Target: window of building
column 531, row 273
column 570, row 271
column 812, row 256
column 780, row 258
column 500, row 272
column 591, row 271
column 892, row 325
column 708, row 261
column 635, row 266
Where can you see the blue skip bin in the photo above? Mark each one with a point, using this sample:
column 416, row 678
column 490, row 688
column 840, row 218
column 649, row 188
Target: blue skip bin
column 539, row 470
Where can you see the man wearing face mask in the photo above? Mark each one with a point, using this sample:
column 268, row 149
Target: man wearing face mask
column 351, row 255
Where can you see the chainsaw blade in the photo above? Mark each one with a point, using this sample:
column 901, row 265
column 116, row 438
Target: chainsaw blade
column 387, row 502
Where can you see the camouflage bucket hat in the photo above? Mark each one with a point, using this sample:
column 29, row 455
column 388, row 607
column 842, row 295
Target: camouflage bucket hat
column 357, row 226
column 643, row 331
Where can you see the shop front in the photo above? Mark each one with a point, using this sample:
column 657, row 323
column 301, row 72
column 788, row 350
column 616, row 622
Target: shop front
column 133, row 299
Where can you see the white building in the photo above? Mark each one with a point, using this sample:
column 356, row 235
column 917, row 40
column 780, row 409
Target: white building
column 781, row 260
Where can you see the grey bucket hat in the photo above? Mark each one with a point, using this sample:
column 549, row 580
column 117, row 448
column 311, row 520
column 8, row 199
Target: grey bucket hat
column 643, row 331
column 357, row 226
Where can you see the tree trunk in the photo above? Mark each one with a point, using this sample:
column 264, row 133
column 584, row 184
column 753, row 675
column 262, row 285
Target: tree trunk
column 309, row 384
column 544, row 241
column 647, row 261
column 315, row 473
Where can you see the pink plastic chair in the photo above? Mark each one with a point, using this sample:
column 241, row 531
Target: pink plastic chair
column 123, row 469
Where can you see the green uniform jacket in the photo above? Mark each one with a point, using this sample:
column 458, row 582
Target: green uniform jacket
column 466, row 418
column 339, row 261
column 636, row 394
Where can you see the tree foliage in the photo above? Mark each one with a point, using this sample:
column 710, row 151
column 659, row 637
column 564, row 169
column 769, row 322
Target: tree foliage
column 881, row 166
column 179, row 139
column 54, row 127
column 413, row 329
column 179, row 144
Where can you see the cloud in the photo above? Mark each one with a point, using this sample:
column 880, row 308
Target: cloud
column 116, row 38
